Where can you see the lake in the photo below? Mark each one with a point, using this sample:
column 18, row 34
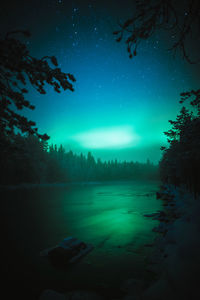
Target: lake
column 108, row 215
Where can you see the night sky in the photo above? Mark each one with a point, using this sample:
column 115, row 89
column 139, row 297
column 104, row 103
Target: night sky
column 120, row 107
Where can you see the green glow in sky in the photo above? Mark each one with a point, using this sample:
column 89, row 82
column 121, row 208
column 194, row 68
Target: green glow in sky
column 120, row 107
column 103, row 138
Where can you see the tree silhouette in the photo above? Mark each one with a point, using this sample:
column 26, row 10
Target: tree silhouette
column 17, row 68
column 179, row 18
column 180, row 163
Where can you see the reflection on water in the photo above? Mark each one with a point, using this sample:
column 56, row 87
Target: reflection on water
column 110, row 216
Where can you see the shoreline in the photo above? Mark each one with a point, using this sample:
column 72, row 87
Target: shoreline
column 66, row 184
column 176, row 249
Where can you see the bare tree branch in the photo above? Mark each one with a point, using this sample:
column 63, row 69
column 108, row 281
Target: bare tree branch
column 166, row 15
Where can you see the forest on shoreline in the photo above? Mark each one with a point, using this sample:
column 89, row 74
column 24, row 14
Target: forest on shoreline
column 180, row 162
column 29, row 159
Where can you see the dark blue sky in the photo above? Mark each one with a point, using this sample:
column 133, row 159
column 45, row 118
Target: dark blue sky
column 120, row 107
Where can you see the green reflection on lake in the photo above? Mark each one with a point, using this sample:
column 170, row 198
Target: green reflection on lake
column 110, row 216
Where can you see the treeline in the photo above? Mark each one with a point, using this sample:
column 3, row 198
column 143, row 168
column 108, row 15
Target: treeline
column 29, row 159
column 180, row 164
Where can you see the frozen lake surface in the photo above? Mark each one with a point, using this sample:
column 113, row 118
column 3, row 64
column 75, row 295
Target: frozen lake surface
column 107, row 215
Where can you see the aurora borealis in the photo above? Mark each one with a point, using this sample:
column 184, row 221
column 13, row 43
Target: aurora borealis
column 120, row 107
